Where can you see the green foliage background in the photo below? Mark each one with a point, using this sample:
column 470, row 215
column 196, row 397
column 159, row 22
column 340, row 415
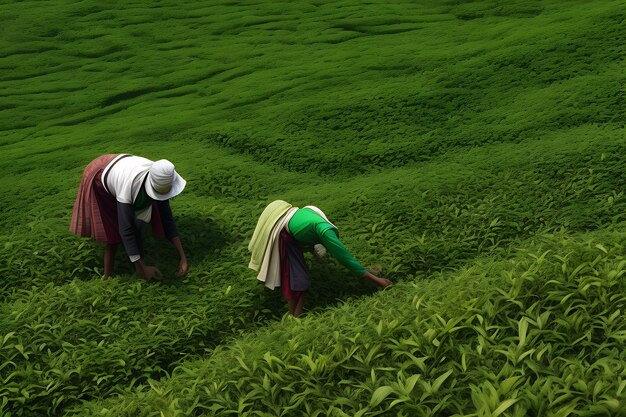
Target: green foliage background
column 474, row 149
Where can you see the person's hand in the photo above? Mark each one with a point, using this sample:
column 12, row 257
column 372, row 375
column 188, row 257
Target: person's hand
column 151, row 273
column 183, row 267
column 383, row 282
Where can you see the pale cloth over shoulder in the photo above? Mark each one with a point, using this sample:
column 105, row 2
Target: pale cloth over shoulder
column 265, row 242
column 264, row 245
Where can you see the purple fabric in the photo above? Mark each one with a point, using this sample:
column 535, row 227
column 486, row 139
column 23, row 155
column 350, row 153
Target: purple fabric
column 294, row 276
column 298, row 272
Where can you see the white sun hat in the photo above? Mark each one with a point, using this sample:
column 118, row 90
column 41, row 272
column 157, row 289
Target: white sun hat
column 163, row 181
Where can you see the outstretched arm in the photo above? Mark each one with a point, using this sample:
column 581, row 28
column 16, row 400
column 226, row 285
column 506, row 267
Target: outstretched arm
column 183, row 266
column 128, row 233
column 171, row 232
column 331, row 242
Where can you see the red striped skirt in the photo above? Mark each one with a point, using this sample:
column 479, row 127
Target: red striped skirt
column 95, row 210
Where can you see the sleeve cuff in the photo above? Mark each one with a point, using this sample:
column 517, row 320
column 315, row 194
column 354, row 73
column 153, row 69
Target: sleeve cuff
column 134, row 258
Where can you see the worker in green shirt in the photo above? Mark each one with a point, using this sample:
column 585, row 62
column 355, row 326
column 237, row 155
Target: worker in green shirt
column 281, row 235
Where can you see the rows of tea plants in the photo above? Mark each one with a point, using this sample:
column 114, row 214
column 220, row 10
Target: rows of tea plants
column 92, row 338
column 60, row 316
column 440, row 137
column 410, row 104
column 540, row 334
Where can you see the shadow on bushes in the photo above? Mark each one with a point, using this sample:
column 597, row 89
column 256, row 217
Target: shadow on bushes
column 201, row 237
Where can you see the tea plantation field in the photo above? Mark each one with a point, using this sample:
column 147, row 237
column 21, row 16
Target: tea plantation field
column 475, row 150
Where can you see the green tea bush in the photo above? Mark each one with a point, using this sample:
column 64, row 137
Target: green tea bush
column 26, row 262
column 541, row 334
column 91, row 339
column 440, row 137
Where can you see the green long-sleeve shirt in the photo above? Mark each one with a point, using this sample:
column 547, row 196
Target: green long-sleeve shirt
column 309, row 228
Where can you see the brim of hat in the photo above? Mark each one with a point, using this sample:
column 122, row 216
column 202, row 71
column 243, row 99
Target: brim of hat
column 177, row 187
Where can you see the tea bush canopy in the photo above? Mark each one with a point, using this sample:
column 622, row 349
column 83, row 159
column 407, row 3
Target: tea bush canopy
column 475, row 149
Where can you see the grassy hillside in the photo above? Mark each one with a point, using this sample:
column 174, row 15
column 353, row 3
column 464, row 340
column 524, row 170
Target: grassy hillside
column 539, row 334
column 452, row 142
